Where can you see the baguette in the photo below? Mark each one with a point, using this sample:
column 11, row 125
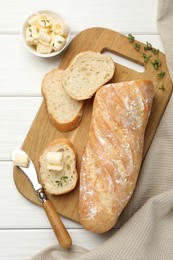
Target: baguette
column 113, row 155
column 64, row 180
column 87, row 72
column 64, row 112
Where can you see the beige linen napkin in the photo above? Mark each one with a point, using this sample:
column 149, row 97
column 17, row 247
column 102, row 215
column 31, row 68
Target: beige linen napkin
column 148, row 230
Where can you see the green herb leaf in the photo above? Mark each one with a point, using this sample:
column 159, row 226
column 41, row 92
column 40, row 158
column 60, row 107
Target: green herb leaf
column 30, row 30
column 148, row 47
column 65, row 177
column 155, row 51
column 156, row 64
column 162, row 87
column 146, row 58
column 161, row 74
column 44, row 21
column 137, row 46
column 59, row 183
column 131, row 38
column 59, row 41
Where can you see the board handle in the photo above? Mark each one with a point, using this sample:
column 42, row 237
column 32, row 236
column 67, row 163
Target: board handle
column 59, row 229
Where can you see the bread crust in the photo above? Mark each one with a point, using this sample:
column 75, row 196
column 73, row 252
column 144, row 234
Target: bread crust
column 63, row 127
column 112, row 72
column 112, row 158
column 66, row 127
column 54, row 143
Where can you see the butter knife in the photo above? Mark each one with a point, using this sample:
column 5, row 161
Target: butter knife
column 59, row 229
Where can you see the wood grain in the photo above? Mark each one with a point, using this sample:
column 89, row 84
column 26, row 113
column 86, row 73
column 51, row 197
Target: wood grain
column 34, row 68
column 80, row 15
column 42, row 132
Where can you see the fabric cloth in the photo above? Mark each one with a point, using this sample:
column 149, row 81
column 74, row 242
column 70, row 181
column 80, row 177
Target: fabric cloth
column 147, row 230
column 165, row 26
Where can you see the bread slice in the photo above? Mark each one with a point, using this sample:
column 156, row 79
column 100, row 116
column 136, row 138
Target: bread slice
column 64, row 181
column 87, row 73
column 64, row 112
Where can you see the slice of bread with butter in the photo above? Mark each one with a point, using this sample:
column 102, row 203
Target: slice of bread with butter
column 58, row 167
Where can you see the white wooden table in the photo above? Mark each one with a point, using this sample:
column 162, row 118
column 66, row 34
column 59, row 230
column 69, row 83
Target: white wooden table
column 24, row 229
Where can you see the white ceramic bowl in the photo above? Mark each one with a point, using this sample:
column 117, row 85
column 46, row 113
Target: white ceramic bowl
column 55, row 16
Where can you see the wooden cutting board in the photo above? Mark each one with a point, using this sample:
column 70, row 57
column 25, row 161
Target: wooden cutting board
column 42, row 132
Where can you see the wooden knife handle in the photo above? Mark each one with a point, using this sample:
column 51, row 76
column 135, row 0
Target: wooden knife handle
column 57, row 225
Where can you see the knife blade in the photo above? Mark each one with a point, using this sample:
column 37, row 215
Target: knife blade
column 59, row 229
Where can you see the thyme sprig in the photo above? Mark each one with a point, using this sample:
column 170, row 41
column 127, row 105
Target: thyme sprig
column 146, row 58
column 148, row 46
column 155, row 51
column 161, row 74
column 131, row 38
column 156, row 62
column 137, row 46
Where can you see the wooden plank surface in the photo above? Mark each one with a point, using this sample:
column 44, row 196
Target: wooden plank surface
column 29, row 70
column 40, row 240
column 22, row 224
column 124, row 16
column 42, row 132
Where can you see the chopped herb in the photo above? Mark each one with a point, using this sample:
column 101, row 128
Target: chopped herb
column 30, row 30
column 161, row 74
column 59, row 183
column 131, row 38
column 146, row 58
column 162, row 87
column 44, row 21
column 31, row 35
column 59, row 41
column 63, row 178
column 53, row 44
column 148, row 47
column 156, row 64
column 155, row 51
column 137, row 46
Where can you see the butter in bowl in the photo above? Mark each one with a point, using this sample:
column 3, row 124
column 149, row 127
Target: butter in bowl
column 46, row 33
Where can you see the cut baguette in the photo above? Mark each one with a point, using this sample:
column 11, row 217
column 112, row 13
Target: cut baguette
column 54, row 181
column 87, row 72
column 64, row 112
